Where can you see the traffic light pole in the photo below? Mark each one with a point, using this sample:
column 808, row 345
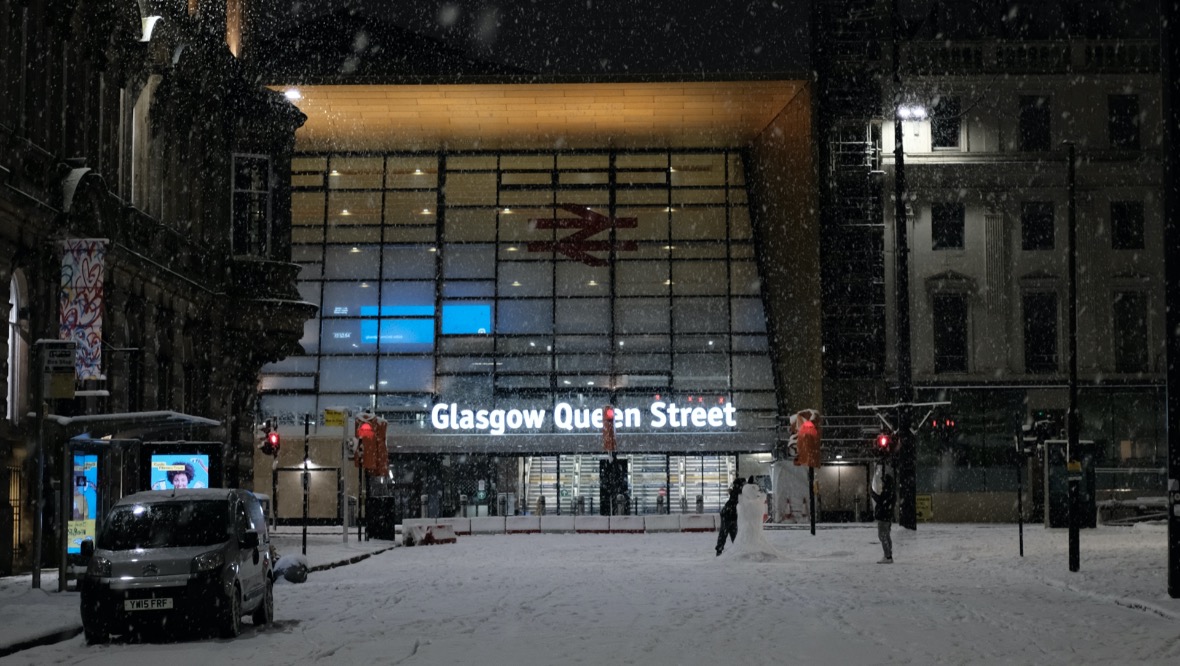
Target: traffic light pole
column 1170, row 52
column 1073, row 422
column 306, row 475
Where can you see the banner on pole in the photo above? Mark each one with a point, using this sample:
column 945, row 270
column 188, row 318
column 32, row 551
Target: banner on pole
column 81, row 302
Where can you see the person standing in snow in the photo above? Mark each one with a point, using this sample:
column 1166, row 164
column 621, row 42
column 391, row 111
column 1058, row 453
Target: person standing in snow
column 729, row 515
column 883, row 492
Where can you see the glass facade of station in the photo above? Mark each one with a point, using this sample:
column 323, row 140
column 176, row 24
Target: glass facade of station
column 490, row 303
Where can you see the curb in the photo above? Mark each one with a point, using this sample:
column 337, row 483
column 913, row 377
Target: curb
column 351, row 560
column 48, row 639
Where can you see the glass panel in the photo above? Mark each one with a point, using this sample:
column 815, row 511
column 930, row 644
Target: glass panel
column 526, row 197
column 700, row 315
column 737, row 170
column 529, row 162
column 577, row 279
column 307, row 208
column 650, row 223
column 583, row 161
column 470, row 389
column 305, row 163
column 584, row 178
column 599, row 199
column 405, row 207
column 700, row 371
column 750, row 343
column 524, row 316
column 408, row 261
column 582, row 343
column 642, row 161
column 411, row 172
column 355, row 173
column 307, row 235
column 354, row 208
column 398, row 294
column 522, row 224
column 466, row 344
column 404, row 234
column 469, row 261
column 466, row 189
column 739, row 223
column 584, row 315
column 406, row 374
column 744, row 279
column 342, row 336
column 351, row 262
column 339, row 374
column 525, row 278
column 698, row 223
column 527, row 178
column 698, row 169
column 625, row 197
column 682, row 197
column 641, row 278
column 470, row 224
column 643, row 363
column 342, row 234
column 641, row 315
column 525, row 345
column 472, row 289
column 698, row 277
column 748, row 315
column 457, row 162
column 625, row 178
column 752, row 372
column 344, row 299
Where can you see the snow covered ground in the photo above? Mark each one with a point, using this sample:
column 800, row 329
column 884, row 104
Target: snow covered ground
column 957, row 594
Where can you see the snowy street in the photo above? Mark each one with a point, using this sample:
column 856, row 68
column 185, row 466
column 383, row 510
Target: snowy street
column 956, row 594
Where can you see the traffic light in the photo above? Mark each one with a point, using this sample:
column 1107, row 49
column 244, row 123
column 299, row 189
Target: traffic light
column 945, row 430
column 270, row 439
column 807, row 444
column 883, row 443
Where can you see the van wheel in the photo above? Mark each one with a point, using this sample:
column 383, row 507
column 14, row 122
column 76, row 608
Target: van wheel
column 231, row 615
column 265, row 613
column 95, row 636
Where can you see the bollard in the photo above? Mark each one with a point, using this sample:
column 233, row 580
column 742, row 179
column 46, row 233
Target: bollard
column 700, row 503
column 463, row 503
column 425, row 503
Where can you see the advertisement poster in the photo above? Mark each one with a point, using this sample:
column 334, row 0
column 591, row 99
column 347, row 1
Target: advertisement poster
column 179, row 470
column 81, row 525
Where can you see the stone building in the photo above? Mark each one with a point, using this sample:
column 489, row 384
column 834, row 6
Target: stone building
column 134, row 139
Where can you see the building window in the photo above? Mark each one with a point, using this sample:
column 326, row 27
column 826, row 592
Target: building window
column 1130, row 331
column 1126, row 225
column 251, row 205
column 950, row 333
column 1034, row 123
column 1036, row 225
column 946, row 225
column 18, row 352
column 945, row 120
column 1123, row 121
column 1040, row 332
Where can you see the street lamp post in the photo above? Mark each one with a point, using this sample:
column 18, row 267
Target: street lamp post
column 906, row 453
column 1170, row 50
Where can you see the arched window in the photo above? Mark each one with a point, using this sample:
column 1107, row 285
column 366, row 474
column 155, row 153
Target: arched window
column 18, row 352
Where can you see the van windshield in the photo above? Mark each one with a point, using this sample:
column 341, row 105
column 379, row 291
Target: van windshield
column 165, row 525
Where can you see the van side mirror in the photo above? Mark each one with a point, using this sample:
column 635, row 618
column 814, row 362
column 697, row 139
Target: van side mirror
column 249, row 539
column 87, row 548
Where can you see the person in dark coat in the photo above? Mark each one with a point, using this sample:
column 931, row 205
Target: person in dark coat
column 883, row 490
column 729, row 515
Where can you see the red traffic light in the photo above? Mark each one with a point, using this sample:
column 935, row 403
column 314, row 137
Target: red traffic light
column 884, row 442
column 270, row 440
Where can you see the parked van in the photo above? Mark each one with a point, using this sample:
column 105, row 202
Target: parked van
column 198, row 556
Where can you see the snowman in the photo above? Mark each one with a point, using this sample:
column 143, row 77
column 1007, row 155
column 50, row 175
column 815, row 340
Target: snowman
column 751, row 543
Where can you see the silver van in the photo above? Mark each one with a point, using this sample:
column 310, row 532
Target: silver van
column 199, row 556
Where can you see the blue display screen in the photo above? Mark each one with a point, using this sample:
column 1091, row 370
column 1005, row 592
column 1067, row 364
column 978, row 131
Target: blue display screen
column 467, row 319
column 414, row 324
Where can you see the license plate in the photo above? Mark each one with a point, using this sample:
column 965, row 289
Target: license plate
column 147, row 604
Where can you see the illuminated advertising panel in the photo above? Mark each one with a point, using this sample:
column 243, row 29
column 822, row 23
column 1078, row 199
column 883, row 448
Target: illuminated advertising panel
column 179, row 470
column 85, row 511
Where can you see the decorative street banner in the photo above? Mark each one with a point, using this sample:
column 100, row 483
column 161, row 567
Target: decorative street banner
column 81, row 300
